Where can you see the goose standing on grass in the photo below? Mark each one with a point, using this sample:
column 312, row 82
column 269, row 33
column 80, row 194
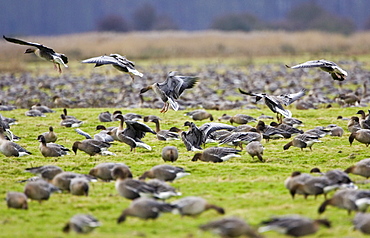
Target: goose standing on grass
column 165, row 172
column 118, row 61
column 46, row 172
column 242, row 119
column 81, row 223
column 9, row 148
column 103, row 171
column 92, row 147
column 361, row 168
column 51, row 149
column 50, row 136
column 199, row 115
column 63, row 180
column 293, row 225
column 39, row 190
column 332, row 68
column 70, row 122
column 293, row 180
column 145, row 208
column 274, row 103
column 365, row 120
column 164, row 135
column 105, row 116
column 216, row 154
column 16, row 200
column 353, row 124
column 362, row 136
column 255, row 148
column 79, row 186
column 193, row 206
column 170, row 153
column 302, row 141
column 230, row 227
column 171, row 89
column 43, row 52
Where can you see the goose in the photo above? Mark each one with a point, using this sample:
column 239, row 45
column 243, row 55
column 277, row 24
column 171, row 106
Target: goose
column 46, row 172
column 332, row 68
column 39, row 190
column 92, row 147
column 255, row 148
column 293, row 180
column 164, row 135
column 293, row 225
column 287, row 128
column 51, row 149
column 361, row 222
column 9, row 148
column 165, row 172
column 361, row 168
column 302, row 141
column 70, row 122
column 103, row 171
column 269, row 132
column 63, row 180
column 312, row 186
column 216, row 154
column 362, row 136
column 81, row 223
column 118, row 61
column 16, row 200
column 170, row 153
column 171, row 89
column 34, row 113
column 242, row 119
column 105, row 116
column 335, row 130
column 42, row 108
column 79, row 186
column 353, row 124
column 364, row 121
column 43, row 52
column 294, row 122
column 163, row 190
column 192, row 138
column 274, row 103
column 199, row 115
column 349, row 199
column 50, row 136
column 240, row 138
column 230, row 227
column 224, row 117
column 101, row 136
column 193, row 206
column 145, row 208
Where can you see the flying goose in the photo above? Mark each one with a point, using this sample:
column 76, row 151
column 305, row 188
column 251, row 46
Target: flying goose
column 118, row 61
column 332, row 68
column 293, row 225
column 171, row 89
column 275, row 102
column 81, row 223
column 43, row 52
column 230, row 227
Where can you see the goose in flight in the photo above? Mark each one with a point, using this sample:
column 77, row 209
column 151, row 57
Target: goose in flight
column 171, row 89
column 43, row 52
column 118, row 61
column 332, row 68
column 275, row 102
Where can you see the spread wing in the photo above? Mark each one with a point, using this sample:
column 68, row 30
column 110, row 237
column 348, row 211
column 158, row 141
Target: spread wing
column 313, row 63
column 288, row 99
column 21, row 42
column 101, row 60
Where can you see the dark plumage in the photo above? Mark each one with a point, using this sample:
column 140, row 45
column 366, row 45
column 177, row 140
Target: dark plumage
column 216, row 154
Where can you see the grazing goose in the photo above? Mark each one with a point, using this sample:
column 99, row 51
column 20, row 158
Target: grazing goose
column 39, row 190
column 92, row 147
column 353, row 124
column 164, row 135
column 163, row 190
column 145, row 208
column 294, row 122
column 332, row 68
column 240, row 138
column 361, row 222
column 171, row 89
column 46, row 172
column 269, row 132
column 361, row 168
column 362, row 136
column 349, row 199
column 165, row 172
column 274, row 102
column 230, row 227
column 103, row 171
column 335, row 130
column 208, row 128
column 312, row 186
column 51, row 149
column 216, row 154
column 79, row 186
column 365, row 120
column 118, row 61
column 224, row 117
column 16, row 200
column 193, row 206
column 293, row 225
column 255, row 148
column 63, row 180
column 287, row 128
column 199, row 115
column 50, row 136
column 105, row 116
column 293, row 180
column 337, row 178
column 170, row 153
column 70, row 122
column 302, row 141
column 9, row 148
column 43, row 52
column 81, row 223
column 242, row 119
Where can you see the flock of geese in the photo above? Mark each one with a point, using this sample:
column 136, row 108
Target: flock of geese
column 148, row 198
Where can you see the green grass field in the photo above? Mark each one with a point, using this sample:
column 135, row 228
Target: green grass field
column 245, row 187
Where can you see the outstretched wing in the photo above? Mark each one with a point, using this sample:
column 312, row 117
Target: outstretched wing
column 101, row 60
column 313, row 63
column 288, row 99
column 21, row 42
